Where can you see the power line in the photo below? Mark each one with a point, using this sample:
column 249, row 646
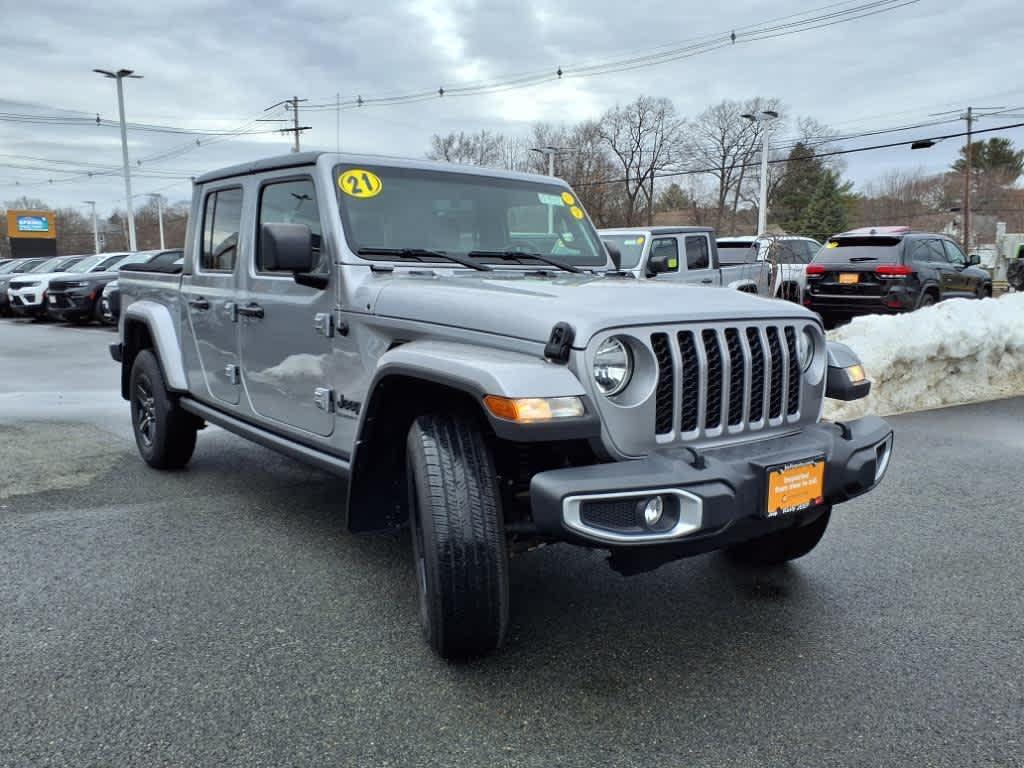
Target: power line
column 853, row 150
column 824, row 16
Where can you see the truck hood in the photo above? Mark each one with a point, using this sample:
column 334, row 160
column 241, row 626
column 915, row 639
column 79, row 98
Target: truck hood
column 527, row 307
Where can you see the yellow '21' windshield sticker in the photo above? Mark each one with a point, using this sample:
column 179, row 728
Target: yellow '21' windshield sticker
column 356, row 182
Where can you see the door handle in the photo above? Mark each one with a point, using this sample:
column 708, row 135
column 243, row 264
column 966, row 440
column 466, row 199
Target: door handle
column 199, row 303
column 707, row 281
column 251, row 310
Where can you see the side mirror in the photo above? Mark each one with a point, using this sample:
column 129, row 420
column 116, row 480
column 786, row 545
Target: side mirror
column 846, row 379
column 973, row 260
column 286, row 247
column 615, row 255
column 658, row 263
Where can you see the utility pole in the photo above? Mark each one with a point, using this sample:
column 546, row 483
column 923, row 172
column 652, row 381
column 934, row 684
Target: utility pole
column 95, row 226
column 969, row 117
column 764, row 116
column 293, row 105
column 160, row 215
column 120, row 75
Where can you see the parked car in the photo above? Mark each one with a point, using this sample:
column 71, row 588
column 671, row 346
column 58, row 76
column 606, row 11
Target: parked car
column 890, row 270
column 76, row 298
column 155, row 261
column 655, row 252
column 454, row 340
column 26, row 293
column 8, row 271
column 790, row 254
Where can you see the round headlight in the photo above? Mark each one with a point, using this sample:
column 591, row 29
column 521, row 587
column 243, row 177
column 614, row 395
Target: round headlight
column 805, row 349
column 613, row 366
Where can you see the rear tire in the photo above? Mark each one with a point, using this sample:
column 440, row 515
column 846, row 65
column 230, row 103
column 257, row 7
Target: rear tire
column 459, row 548
column 927, row 300
column 164, row 433
column 781, row 546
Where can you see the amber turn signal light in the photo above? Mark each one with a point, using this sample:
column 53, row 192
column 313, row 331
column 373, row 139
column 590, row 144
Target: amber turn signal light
column 527, row 409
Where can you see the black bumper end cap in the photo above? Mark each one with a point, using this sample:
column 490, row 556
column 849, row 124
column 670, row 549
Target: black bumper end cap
column 117, row 352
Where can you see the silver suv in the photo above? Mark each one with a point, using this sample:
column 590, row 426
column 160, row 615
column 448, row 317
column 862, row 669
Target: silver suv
column 458, row 343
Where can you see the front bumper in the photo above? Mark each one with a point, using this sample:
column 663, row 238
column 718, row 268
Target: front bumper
column 724, row 496
column 69, row 304
column 28, row 303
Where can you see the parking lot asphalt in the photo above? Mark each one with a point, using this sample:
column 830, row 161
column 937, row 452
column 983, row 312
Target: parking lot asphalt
column 222, row 616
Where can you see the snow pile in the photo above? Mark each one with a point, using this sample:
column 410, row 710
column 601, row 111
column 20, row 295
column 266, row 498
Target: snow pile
column 958, row 351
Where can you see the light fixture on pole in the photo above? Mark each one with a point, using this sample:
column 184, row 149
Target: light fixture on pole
column 159, row 214
column 95, row 226
column 764, row 116
column 120, row 75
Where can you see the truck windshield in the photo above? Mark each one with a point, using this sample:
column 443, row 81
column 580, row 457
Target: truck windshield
column 57, row 264
column 87, row 264
column 393, row 209
column 631, row 246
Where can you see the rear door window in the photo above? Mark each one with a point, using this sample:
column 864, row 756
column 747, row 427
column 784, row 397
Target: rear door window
column 698, row 253
column 222, row 221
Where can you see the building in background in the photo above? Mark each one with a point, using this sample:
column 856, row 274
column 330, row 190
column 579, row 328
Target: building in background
column 32, row 233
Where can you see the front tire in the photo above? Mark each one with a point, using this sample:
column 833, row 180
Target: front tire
column 458, row 537
column 782, row 546
column 164, row 433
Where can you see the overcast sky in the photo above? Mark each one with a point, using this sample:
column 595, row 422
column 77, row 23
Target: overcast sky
column 209, row 64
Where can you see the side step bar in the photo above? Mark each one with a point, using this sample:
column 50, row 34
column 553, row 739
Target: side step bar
column 267, row 439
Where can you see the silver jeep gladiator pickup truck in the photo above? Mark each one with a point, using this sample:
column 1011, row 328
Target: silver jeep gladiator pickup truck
column 459, row 344
column 684, row 255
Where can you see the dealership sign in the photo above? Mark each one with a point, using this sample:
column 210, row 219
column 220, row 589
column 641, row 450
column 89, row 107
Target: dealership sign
column 33, row 224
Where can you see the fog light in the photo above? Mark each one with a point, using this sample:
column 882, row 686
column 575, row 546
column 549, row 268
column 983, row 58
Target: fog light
column 653, row 510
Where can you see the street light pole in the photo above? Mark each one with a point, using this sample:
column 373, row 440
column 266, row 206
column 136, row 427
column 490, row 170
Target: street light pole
column 120, row 75
column 764, row 116
column 160, row 215
column 95, row 226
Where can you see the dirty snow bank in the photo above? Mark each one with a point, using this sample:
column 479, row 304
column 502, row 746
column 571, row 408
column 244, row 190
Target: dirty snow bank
column 959, row 351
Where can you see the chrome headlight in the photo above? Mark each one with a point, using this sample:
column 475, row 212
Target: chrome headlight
column 805, row 349
column 613, row 366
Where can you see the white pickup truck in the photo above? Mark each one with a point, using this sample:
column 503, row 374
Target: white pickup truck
column 686, row 255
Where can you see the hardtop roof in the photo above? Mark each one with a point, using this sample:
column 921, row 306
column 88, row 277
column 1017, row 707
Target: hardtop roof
column 301, row 159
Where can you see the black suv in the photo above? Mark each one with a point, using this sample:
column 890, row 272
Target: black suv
column 888, row 270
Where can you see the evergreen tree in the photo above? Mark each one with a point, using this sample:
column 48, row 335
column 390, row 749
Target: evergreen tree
column 803, row 175
column 827, row 212
column 673, row 198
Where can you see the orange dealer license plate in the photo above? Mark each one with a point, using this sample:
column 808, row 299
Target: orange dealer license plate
column 795, row 486
column 848, row 278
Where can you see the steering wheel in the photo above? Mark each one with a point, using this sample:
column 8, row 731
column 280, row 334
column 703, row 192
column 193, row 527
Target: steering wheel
column 525, row 247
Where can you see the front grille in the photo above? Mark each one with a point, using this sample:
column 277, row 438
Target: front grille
column 663, row 422
column 731, row 378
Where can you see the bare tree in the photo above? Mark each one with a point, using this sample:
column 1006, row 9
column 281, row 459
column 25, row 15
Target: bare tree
column 723, row 141
column 482, row 148
column 644, row 138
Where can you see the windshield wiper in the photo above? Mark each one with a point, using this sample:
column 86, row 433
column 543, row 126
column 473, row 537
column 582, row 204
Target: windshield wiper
column 863, row 258
column 517, row 255
column 421, row 253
